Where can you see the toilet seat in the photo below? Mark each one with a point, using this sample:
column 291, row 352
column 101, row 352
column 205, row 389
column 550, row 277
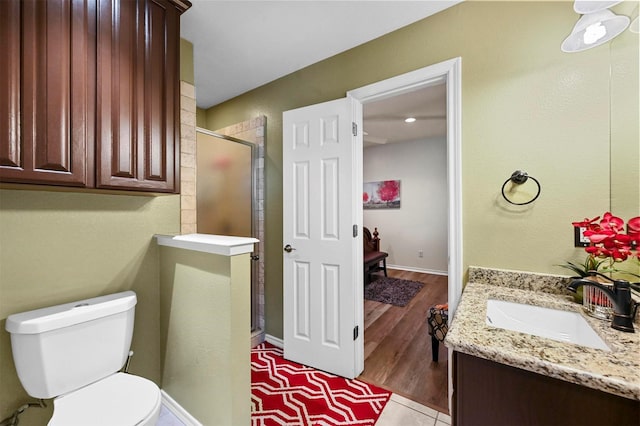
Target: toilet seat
column 120, row 399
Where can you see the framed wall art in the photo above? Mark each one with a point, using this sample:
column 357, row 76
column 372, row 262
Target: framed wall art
column 381, row 195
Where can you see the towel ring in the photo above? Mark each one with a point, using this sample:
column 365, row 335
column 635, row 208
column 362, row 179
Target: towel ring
column 519, row 177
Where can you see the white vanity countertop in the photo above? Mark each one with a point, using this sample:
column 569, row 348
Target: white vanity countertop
column 217, row 244
column 616, row 372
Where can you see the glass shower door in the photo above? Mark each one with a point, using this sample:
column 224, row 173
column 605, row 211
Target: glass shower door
column 225, row 191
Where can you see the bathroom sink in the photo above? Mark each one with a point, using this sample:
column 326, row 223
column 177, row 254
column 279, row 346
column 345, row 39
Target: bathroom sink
column 563, row 326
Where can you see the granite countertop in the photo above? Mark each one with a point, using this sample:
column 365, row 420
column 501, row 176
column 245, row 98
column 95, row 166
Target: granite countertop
column 616, row 372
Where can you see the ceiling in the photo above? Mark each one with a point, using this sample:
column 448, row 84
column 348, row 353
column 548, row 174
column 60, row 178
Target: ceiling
column 383, row 121
column 240, row 45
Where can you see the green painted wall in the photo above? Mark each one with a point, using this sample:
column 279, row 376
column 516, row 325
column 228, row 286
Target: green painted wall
column 625, row 132
column 526, row 105
column 205, row 334
column 201, row 118
column 58, row 247
column 186, row 61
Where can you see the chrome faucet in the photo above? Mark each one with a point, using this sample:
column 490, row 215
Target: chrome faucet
column 624, row 308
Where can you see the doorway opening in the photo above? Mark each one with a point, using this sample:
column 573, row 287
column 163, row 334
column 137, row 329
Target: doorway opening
column 405, row 142
column 448, row 75
column 322, row 187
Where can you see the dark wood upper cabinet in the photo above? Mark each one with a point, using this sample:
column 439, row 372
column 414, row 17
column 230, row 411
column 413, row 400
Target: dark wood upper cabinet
column 90, row 94
column 47, row 91
column 138, row 95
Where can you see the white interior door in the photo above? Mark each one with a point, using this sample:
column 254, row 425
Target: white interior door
column 322, row 260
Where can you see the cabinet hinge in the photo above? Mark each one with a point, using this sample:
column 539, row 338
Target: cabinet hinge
column 355, row 332
column 355, row 231
column 354, row 129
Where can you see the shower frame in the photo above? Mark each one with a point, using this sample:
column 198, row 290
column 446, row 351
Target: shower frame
column 256, row 261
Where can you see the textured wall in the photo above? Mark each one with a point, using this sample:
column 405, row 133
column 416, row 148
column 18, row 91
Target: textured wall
column 526, row 105
column 205, row 334
column 58, row 247
column 186, row 61
column 421, row 221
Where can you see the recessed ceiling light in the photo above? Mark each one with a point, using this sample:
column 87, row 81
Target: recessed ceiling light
column 409, row 120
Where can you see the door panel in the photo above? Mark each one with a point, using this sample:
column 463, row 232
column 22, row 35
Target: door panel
column 138, row 111
column 320, row 276
column 10, row 151
column 301, row 289
column 47, row 91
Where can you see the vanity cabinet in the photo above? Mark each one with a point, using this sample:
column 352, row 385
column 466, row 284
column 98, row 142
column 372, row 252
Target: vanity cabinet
column 90, row 96
column 490, row 393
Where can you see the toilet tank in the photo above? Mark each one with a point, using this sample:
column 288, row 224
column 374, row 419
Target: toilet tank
column 62, row 348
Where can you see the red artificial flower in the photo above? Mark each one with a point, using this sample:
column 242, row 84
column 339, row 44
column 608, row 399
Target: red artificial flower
column 612, row 222
column 365, row 197
column 586, row 223
column 608, row 238
column 634, row 231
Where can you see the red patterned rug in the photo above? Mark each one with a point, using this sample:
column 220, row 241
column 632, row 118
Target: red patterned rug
column 287, row 393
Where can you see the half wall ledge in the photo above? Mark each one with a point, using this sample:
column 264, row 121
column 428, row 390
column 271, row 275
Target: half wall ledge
column 217, row 244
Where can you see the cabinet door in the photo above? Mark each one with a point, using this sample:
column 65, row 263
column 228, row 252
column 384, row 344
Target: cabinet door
column 47, row 98
column 138, row 98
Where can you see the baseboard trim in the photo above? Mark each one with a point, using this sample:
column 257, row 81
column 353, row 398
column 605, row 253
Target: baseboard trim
column 257, row 337
column 178, row 410
column 412, row 269
column 279, row 343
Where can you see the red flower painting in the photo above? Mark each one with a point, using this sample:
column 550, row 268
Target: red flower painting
column 389, row 190
column 381, row 195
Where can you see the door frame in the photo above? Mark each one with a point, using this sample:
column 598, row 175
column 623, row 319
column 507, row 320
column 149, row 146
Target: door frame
column 449, row 72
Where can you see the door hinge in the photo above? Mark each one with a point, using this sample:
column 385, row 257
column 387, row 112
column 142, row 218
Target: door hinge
column 355, row 332
column 355, row 231
column 354, row 129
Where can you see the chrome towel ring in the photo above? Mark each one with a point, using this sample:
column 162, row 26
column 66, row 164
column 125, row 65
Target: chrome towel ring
column 519, row 177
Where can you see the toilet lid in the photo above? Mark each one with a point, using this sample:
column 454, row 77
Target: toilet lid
column 120, row 399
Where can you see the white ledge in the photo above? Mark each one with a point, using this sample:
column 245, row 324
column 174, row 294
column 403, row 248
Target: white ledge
column 216, row 244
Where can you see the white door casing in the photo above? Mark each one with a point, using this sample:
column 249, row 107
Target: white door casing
column 319, row 211
column 449, row 71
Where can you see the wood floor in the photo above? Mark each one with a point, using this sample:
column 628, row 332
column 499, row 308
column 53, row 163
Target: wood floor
column 397, row 345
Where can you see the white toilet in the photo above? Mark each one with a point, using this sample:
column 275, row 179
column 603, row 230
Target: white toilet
column 73, row 352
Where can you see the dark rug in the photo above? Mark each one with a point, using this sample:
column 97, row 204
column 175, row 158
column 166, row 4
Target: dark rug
column 393, row 291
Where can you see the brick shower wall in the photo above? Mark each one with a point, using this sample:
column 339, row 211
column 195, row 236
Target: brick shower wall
column 187, row 158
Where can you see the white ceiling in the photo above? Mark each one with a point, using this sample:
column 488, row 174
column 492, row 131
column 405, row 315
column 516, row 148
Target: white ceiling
column 383, row 121
column 240, row 45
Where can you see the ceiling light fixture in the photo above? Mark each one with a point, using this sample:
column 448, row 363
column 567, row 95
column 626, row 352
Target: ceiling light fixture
column 590, row 6
column 594, row 29
column 409, row 120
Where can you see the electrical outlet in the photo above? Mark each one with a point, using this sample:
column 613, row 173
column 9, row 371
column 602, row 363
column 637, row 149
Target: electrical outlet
column 420, row 253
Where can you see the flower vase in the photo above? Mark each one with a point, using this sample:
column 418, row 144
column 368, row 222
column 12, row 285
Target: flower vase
column 595, row 302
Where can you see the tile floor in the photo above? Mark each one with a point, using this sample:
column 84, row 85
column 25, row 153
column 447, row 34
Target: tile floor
column 403, row 411
column 167, row 418
column 399, row 411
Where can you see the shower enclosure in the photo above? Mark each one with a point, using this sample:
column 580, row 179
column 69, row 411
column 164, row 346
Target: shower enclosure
column 226, row 192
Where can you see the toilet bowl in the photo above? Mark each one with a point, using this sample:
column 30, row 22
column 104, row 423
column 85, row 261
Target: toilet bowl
column 120, row 399
column 73, row 353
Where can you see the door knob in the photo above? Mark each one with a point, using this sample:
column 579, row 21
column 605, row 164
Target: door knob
column 288, row 248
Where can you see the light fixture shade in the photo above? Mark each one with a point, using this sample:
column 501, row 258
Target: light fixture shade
column 589, row 6
column 594, row 29
column 634, row 27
